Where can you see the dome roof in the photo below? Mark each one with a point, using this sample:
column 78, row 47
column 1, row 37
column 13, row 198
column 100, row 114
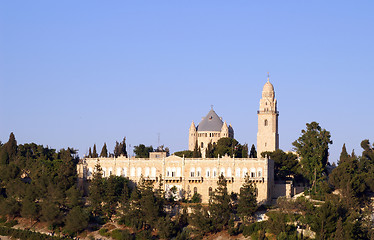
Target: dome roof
column 268, row 87
column 211, row 122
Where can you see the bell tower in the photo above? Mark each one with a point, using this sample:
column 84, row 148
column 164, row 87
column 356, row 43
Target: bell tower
column 267, row 135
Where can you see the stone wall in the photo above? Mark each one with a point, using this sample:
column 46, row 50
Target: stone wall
column 188, row 175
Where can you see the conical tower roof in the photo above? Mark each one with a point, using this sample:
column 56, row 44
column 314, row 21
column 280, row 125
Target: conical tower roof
column 211, row 122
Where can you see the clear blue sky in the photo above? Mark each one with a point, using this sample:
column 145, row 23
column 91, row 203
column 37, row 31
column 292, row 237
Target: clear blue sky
column 75, row 73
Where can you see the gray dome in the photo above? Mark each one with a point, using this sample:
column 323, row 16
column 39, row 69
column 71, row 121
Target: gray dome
column 211, row 122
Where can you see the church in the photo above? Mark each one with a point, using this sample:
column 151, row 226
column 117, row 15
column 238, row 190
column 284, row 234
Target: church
column 200, row 175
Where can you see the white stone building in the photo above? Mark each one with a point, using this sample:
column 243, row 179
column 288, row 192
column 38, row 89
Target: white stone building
column 190, row 175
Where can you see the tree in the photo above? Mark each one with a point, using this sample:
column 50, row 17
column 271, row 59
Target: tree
column 185, row 153
column 196, row 151
column 76, row 220
column 120, row 148
column 11, row 146
column 253, row 152
column 104, row 151
column 141, row 151
column 209, row 151
column 89, row 152
column 220, row 207
column 94, row 152
column 245, row 151
column 247, row 203
column 313, row 146
column 96, row 190
column 343, row 155
column 286, row 165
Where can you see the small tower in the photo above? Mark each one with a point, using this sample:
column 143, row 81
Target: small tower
column 192, row 137
column 267, row 135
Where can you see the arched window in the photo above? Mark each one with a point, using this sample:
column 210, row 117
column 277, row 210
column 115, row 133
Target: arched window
column 198, row 172
column 179, row 172
column 202, row 145
column 192, row 172
column 168, row 172
column 195, row 190
column 132, row 172
column 253, row 172
column 104, row 172
column 124, row 172
column 146, row 174
column 245, row 172
column 173, row 171
column 222, row 172
column 229, row 172
column 266, row 122
column 89, row 172
column 214, row 172
column 110, row 172
column 153, row 172
column 259, row 172
column 207, row 172
column 210, row 191
column 118, row 172
column 139, row 171
column 237, row 173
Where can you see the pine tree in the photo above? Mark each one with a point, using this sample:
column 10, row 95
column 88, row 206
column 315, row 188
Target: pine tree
column 220, row 205
column 97, row 189
column 94, row 152
column 253, row 152
column 11, row 146
column 343, row 155
column 247, row 203
column 104, row 151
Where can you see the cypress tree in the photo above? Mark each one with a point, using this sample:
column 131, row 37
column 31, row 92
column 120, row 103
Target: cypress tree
column 94, row 152
column 245, row 151
column 104, row 151
column 253, row 152
column 117, row 150
column 123, row 147
column 89, row 152
column 343, row 155
column 209, row 151
column 197, row 151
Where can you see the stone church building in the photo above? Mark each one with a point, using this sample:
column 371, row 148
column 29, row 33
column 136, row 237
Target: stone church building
column 200, row 175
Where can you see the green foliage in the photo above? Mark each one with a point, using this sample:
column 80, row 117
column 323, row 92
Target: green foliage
column 76, row 220
column 312, row 146
column 247, row 203
column 227, row 146
column 120, row 148
column 209, row 151
column 141, row 151
column 245, row 151
column 286, row 165
column 122, row 234
column 200, row 221
column 104, row 151
column 196, row 198
column 26, row 234
column 196, row 151
column 185, row 153
column 220, row 207
column 94, row 152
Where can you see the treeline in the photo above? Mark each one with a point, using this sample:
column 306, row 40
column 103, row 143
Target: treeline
column 39, row 183
column 119, row 150
column 224, row 146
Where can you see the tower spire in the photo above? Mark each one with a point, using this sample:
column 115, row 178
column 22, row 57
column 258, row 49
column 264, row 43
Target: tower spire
column 268, row 77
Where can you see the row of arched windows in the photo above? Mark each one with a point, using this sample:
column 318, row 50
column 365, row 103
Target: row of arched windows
column 176, row 172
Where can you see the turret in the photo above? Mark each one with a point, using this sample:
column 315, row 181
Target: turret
column 192, row 136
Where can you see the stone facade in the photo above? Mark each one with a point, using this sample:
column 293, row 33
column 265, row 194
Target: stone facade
column 267, row 135
column 210, row 130
column 189, row 175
